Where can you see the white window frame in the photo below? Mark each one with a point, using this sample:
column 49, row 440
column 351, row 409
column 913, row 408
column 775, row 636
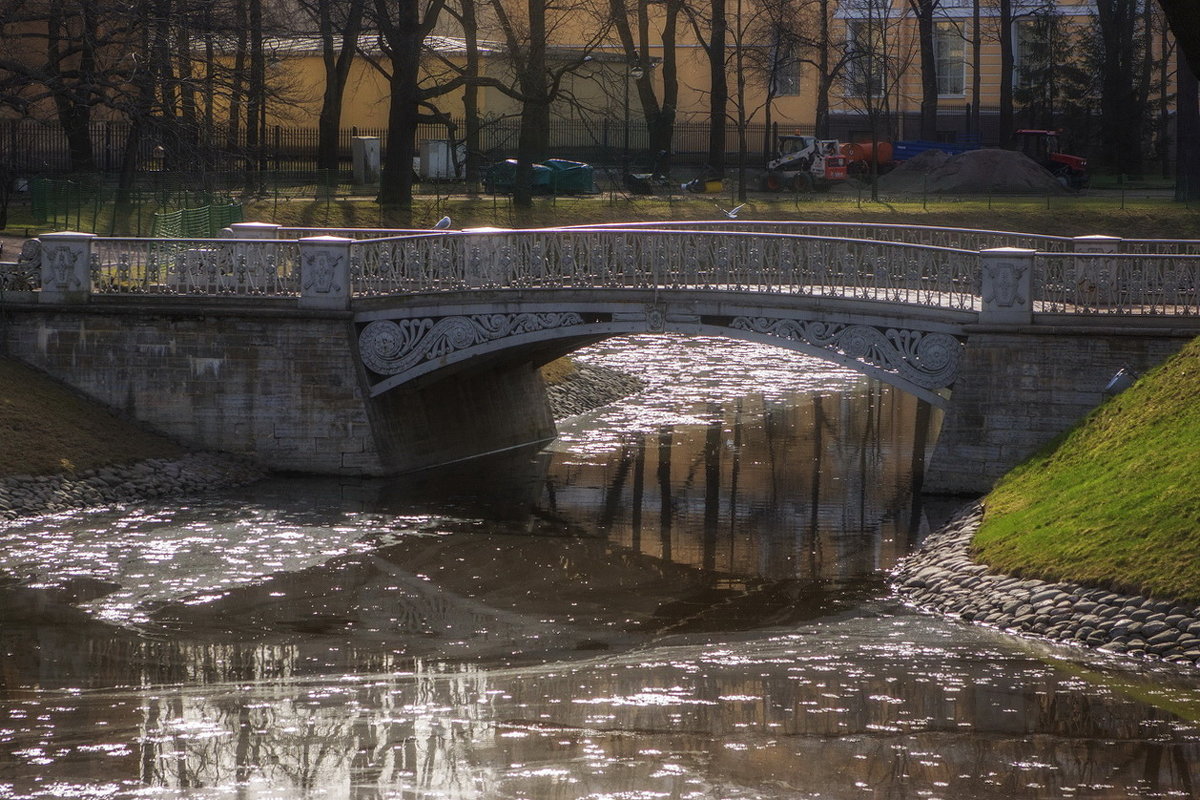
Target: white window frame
column 949, row 32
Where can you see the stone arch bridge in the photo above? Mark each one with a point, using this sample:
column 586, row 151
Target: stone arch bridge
column 370, row 352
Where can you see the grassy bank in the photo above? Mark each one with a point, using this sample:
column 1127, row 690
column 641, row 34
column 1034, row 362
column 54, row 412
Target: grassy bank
column 1116, row 501
column 45, row 428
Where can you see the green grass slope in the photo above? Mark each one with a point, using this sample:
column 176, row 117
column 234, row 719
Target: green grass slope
column 46, row 428
column 1116, row 501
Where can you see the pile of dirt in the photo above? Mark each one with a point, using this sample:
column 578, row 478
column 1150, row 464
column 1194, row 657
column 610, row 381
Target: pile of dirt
column 912, row 175
column 988, row 171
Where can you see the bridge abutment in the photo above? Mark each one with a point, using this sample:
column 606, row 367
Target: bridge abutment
column 281, row 386
column 1021, row 386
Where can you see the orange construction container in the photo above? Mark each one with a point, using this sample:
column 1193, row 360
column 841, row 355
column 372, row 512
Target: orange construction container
column 861, row 151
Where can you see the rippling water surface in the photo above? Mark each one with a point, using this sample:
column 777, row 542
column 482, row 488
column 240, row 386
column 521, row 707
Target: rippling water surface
column 683, row 597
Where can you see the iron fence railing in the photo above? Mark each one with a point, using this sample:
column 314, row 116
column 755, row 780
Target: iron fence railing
column 196, row 267
column 1117, row 284
column 607, row 258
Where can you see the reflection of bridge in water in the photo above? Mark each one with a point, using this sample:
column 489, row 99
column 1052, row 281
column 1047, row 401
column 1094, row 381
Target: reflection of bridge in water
column 374, row 352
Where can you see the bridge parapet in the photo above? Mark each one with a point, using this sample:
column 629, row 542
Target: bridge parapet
column 1095, row 275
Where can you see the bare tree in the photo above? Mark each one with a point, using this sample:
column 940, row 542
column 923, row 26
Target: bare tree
column 659, row 114
column 1181, row 16
column 340, row 22
column 403, row 27
column 878, row 60
column 538, row 81
column 1122, row 38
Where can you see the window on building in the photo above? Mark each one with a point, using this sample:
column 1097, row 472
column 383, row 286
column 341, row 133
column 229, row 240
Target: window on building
column 785, row 72
column 949, row 55
column 1028, row 46
column 865, row 71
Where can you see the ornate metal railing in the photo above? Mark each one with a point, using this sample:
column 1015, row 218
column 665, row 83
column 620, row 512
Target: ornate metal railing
column 1164, row 280
column 206, row 267
column 1118, row 283
column 585, row 258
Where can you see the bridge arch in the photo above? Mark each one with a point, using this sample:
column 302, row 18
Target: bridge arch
column 408, row 343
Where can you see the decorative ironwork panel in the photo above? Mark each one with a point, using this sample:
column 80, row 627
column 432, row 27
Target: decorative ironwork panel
column 928, row 360
column 1112, row 283
column 391, row 347
column 203, row 267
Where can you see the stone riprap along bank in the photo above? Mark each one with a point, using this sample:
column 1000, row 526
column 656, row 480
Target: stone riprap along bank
column 941, row 578
column 28, row 495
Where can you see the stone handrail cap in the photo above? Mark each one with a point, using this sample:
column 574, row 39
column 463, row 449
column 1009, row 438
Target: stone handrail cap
column 326, row 239
column 67, row 235
column 487, row 229
column 1098, row 237
column 1009, row 251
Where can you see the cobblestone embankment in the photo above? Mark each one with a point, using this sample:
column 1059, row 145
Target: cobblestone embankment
column 588, row 388
column 25, row 495
column 941, row 578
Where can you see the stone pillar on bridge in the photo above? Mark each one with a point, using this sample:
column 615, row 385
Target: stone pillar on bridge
column 1007, row 274
column 66, row 267
column 325, row 272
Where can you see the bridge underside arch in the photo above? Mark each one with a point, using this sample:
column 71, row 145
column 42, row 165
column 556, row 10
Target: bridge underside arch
column 412, row 345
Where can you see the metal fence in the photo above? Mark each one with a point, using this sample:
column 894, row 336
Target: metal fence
column 28, row 147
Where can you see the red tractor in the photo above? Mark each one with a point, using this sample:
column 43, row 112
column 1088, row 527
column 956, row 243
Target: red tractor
column 1042, row 147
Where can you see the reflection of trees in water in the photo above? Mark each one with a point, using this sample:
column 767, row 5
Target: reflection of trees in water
column 818, row 488
column 770, row 723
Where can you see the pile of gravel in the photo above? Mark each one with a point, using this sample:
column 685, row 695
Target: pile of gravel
column 941, row 578
column 26, row 495
column 987, row 171
column 588, row 388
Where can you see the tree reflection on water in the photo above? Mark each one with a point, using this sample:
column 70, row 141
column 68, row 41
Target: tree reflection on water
column 693, row 606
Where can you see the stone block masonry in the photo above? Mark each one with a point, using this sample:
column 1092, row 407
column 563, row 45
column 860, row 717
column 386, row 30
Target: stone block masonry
column 1019, row 388
column 278, row 386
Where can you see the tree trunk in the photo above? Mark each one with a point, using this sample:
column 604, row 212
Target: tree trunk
column 718, row 97
column 404, row 49
column 1182, row 16
column 1005, row 133
column 337, row 62
column 929, row 88
column 472, row 169
column 976, row 66
column 824, row 79
column 535, row 107
column 662, row 126
column 1187, row 131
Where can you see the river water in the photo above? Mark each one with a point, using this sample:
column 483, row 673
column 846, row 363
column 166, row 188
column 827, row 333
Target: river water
column 684, row 596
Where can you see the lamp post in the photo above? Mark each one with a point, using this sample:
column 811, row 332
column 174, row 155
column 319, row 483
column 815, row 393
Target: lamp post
column 636, row 72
